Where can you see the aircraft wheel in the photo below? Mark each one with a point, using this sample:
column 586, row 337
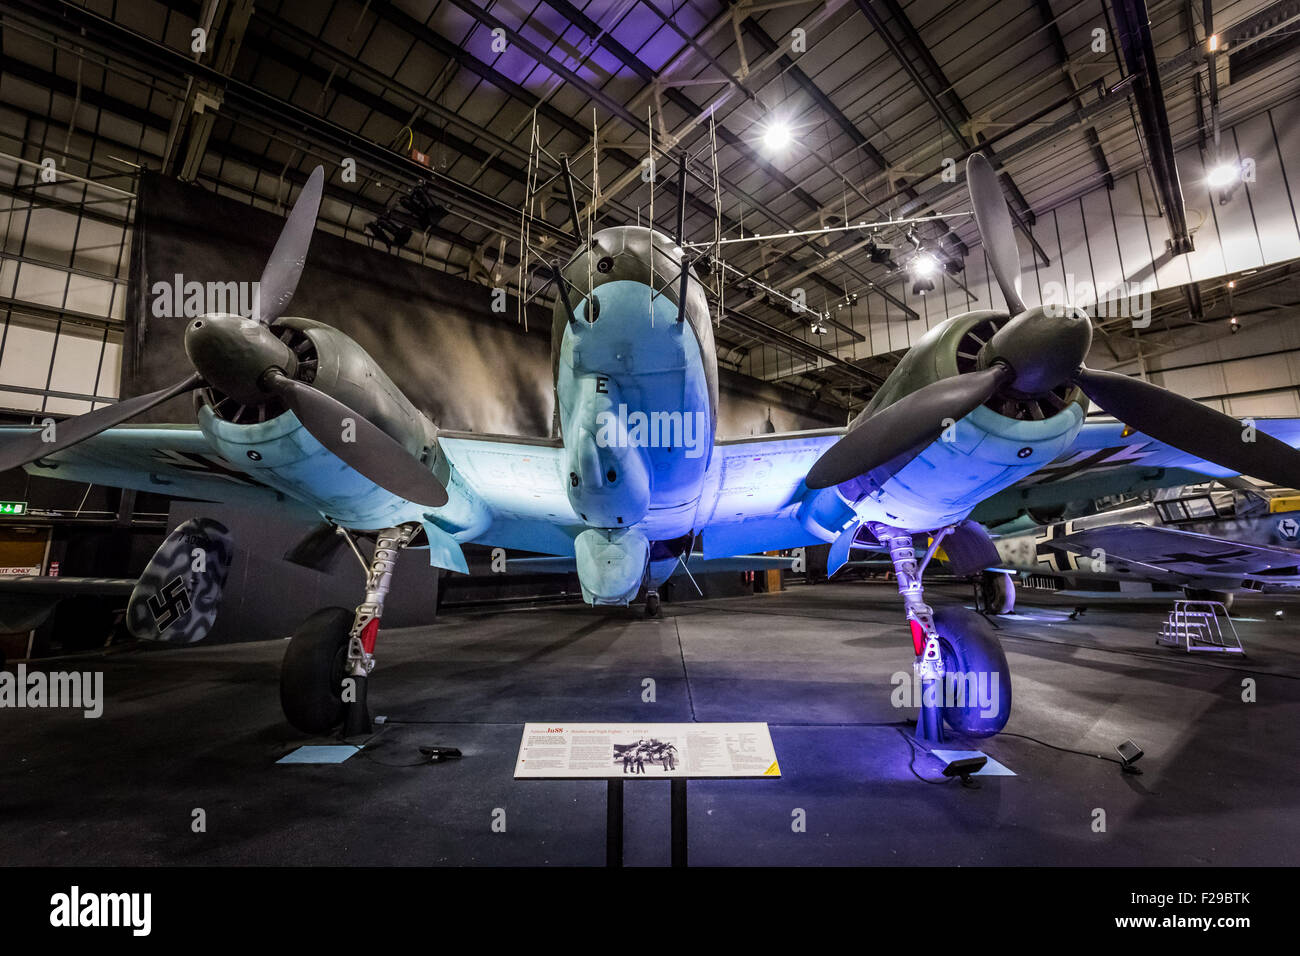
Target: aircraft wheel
column 311, row 676
column 998, row 592
column 652, row 605
column 969, row 646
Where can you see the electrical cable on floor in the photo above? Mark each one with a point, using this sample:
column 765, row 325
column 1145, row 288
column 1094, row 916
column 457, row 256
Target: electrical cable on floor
column 385, row 763
column 911, row 763
column 1081, row 753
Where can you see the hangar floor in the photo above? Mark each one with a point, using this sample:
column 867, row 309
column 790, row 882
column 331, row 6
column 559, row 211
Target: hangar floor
column 201, row 728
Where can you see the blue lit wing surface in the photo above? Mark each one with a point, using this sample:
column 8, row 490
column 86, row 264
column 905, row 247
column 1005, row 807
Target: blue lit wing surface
column 173, row 460
column 755, row 490
column 1108, row 458
column 521, row 482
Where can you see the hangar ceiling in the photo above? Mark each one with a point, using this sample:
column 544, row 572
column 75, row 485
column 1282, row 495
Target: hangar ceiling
column 875, row 96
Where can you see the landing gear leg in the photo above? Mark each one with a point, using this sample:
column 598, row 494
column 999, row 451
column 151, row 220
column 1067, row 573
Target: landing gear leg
column 928, row 665
column 365, row 626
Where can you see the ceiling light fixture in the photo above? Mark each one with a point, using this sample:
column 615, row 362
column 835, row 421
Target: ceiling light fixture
column 1225, row 174
column 777, row 136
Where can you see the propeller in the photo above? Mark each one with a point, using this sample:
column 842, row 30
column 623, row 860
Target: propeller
column 250, row 362
column 28, row 448
column 1191, row 427
column 914, row 420
column 369, row 451
column 994, row 222
column 283, row 270
column 1036, row 351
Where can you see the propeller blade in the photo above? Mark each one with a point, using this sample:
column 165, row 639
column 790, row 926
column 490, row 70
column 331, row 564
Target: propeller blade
column 69, row 432
column 994, row 222
column 915, row 419
column 372, row 452
column 283, row 270
column 1191, row 427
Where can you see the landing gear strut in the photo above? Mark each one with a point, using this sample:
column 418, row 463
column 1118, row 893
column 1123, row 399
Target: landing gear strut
column 365, row 625
column 928, row 665
column 960, row 666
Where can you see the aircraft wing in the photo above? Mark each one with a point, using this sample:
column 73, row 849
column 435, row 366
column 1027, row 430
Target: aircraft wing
column 755, row 490
column 1189, row 553
column 521, row 482
column 1109, row 458
column 173, row 460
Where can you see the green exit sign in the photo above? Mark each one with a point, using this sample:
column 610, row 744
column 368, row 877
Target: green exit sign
column 8, row 508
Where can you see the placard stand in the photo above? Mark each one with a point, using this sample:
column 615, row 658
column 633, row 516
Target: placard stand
column 614, row 821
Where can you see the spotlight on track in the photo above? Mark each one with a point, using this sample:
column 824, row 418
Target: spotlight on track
column 1225, row 174
column 923, row 269
column 776, row 135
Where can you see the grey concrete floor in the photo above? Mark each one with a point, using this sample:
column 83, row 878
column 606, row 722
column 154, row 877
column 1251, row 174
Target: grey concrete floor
column 185, row 729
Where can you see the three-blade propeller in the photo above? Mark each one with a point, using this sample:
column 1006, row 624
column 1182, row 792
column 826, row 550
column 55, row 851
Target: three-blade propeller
column 1037, row 350
column 366, row 448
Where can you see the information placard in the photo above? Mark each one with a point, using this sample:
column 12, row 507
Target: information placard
column 646, row 751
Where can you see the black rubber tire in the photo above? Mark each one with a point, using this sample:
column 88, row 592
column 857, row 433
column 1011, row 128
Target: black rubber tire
column 311, row 676
column 652, row 606
column 970, row 646
column 998, row 591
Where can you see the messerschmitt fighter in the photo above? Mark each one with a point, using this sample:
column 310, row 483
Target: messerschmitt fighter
column 636, row 477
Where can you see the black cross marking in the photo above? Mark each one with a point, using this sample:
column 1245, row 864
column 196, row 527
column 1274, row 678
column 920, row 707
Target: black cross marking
column 211, row 465
column 1097, row 461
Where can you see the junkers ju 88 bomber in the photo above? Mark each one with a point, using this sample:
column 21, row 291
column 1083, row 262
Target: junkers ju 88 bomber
column 636, row 479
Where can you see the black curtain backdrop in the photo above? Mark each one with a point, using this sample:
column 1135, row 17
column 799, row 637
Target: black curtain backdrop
column 435, row 334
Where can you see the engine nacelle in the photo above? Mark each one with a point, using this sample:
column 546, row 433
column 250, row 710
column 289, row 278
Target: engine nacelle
column 271, row 445
column 1000, row 442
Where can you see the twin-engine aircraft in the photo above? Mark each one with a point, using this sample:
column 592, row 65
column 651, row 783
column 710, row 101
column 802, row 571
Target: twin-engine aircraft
column 637, row 475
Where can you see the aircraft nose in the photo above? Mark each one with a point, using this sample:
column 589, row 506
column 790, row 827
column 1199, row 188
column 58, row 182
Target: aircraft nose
column 232, row 353
column 1043, row 345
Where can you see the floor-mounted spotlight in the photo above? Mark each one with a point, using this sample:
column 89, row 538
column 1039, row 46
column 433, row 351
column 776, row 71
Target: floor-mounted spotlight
column 1130, row 753
column 964, row 767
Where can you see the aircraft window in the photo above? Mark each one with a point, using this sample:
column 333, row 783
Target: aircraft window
column 1199, row 508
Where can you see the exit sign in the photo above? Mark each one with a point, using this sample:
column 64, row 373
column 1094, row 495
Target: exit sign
column 8, row 508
